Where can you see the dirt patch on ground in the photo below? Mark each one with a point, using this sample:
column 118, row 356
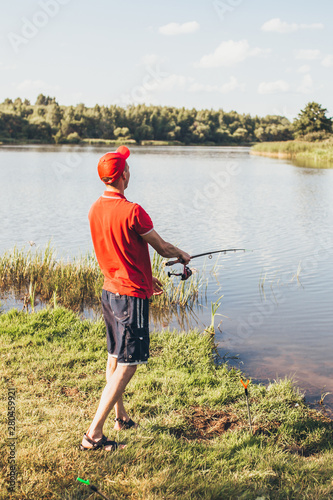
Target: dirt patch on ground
column 202, row 424
column 205, row 423
column 72, row 392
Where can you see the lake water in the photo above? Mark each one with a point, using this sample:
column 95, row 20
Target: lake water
column 277, row 300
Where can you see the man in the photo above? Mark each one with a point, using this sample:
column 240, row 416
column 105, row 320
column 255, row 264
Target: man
column 121, row 231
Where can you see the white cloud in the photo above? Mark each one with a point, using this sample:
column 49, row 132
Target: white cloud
column 30, row 85
column 35, row 85
column 306, row 86
column 307, row 54
column 150, row 59
column 223, row 89
column 230, row 53
column 277, row 87
column 283, row 111
column 179, row 29
column 278, row 26
column 169, row 83
column 77, row 97
column 312, row 55
column 7, row 67
column 304, row 69
column 172, row 82
column 327, row 61
column 280, row 86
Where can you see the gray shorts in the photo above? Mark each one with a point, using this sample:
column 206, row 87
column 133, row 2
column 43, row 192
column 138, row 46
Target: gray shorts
column 127, row 327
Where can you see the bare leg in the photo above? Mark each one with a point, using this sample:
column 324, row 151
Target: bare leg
column 119, row 406
column 110, row 396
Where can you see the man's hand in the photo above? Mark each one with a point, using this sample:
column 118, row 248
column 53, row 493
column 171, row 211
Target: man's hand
column 184, row 258
column 157, row 290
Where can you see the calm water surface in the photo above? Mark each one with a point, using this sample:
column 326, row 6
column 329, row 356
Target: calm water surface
column 277, row 300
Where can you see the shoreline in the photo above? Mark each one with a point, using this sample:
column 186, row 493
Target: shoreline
column 129, row 143
column 159, row 315
column 272, row 155
column 313, row 154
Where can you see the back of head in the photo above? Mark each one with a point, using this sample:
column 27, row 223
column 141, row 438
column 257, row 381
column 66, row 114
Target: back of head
column 112, row 165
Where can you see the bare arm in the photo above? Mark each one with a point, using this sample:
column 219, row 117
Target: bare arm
column 164, row 248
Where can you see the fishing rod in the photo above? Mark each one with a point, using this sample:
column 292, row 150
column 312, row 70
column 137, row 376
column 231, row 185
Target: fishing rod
column 187, row 271
column 179, row 261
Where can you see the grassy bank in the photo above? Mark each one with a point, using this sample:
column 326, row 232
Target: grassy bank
column 128, row 142
column 39, row 275
column 320, row 153
column 193, row 440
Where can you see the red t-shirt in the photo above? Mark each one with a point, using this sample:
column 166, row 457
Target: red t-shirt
column 116, row 228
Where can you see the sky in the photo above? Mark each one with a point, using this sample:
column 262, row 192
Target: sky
column 252, row 56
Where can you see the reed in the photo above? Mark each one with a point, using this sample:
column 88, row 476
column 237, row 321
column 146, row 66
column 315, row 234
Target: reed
column 296, row 276
column 323, row 395
column 39, row 273
column 262, row 280
column 77, row 284
column 320, row 152
column 32, row 295
column 214, row 308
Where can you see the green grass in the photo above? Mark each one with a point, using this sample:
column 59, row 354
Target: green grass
column 193, row 441
column 77, row 284
column 161, row 143
column 319, row 153
column 110, row 142
column 113, row 142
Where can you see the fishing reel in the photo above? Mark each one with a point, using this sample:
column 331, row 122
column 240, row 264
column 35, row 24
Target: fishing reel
column 184, row 275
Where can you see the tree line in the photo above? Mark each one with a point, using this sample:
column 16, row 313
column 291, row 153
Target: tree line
column 48, row 122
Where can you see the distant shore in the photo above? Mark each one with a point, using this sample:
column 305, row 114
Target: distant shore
column 320, row 153
column 130, row 142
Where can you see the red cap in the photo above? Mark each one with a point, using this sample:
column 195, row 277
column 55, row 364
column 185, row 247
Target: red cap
column 113, row 164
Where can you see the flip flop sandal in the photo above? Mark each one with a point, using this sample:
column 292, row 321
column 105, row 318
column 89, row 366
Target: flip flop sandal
column 101, row 443
column 124, row 424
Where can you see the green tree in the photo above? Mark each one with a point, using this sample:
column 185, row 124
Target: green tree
column 222, row 135
column 73, row 138
column 141, row 122
column 39, row 132
column 18, row 103
column 312, row 119
column 240, row 134
column 121, row 132
column 200, row 131
column 43, row 100
column 13, row 126
column 54, row 115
